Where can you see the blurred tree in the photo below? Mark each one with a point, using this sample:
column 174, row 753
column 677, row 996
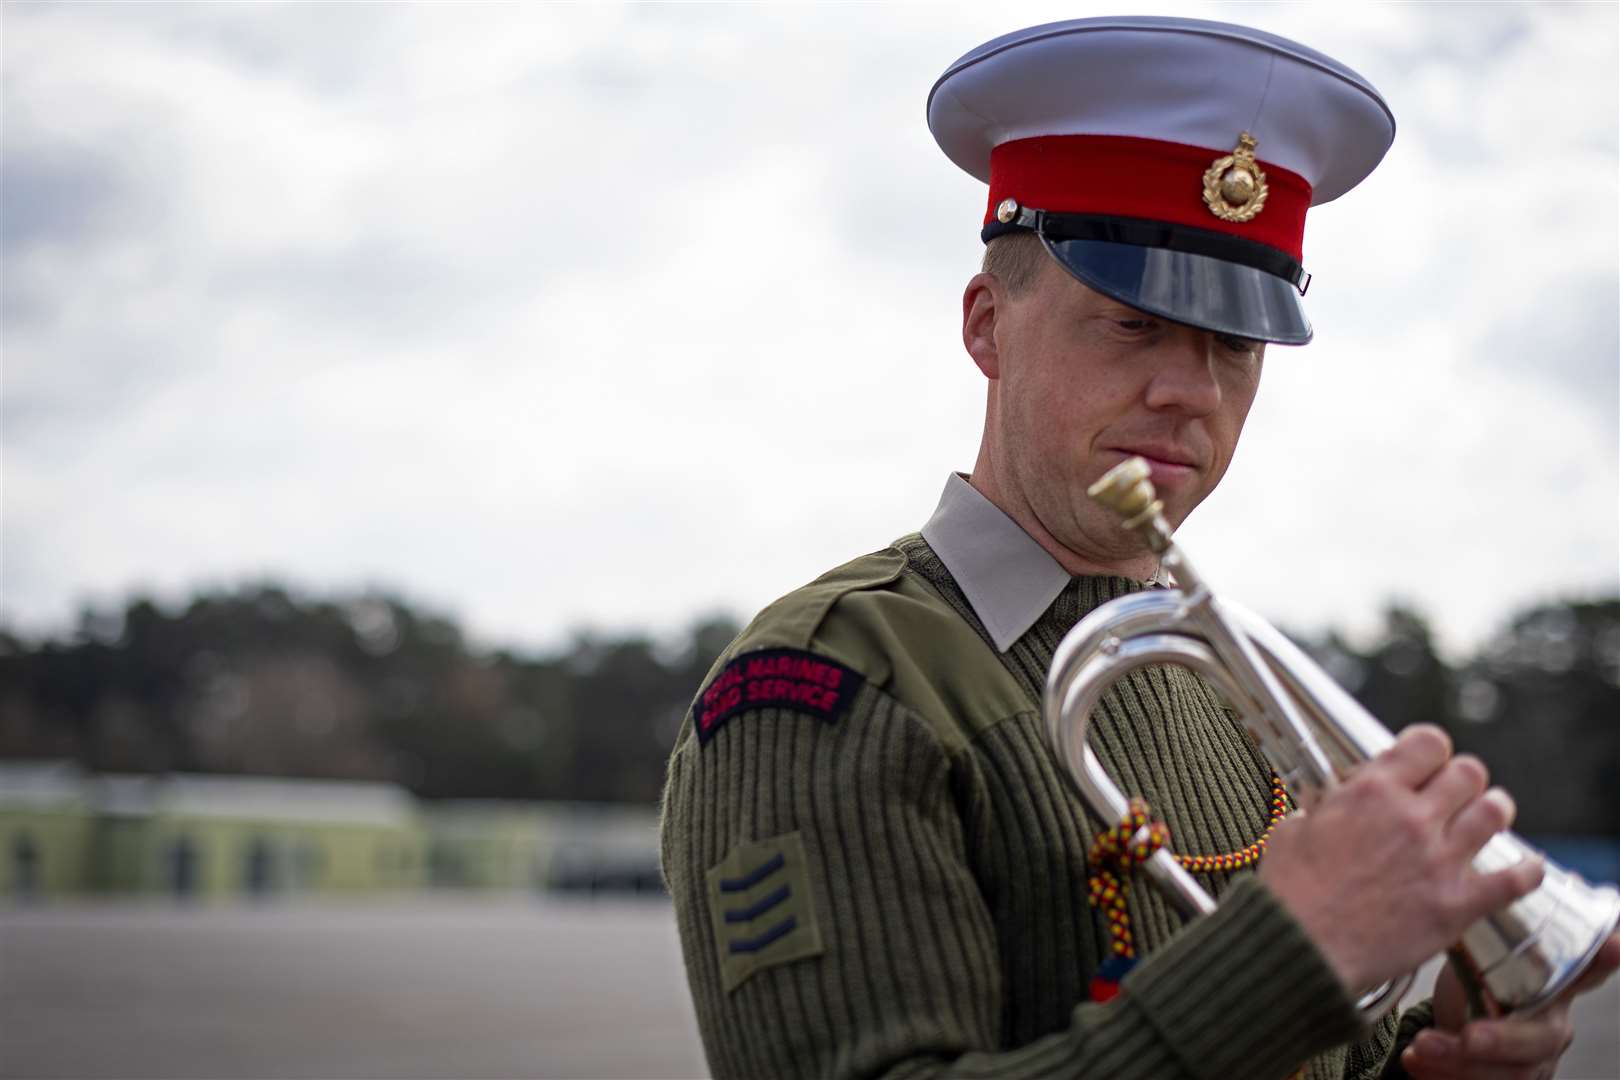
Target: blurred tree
column 259, row 681
column 1540, row 705
column 1405, row 680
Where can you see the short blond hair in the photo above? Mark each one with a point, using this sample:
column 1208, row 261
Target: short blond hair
column 1015, row 259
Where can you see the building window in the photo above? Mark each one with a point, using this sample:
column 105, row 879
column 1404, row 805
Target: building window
column 25, row 867
column 184, row 870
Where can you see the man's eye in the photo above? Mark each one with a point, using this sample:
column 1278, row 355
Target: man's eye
column 1135, row 326
column 1237, row 344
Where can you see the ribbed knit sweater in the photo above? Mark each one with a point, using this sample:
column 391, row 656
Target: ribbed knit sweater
column 894, row 882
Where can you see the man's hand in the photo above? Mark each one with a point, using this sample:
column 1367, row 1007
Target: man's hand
column 1511, row 1048
column 1379, row 873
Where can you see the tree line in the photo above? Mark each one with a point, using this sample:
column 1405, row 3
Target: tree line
column 260, row 680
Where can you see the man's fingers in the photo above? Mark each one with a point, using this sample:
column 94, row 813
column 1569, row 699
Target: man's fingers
column 1496, row 890
column 1492, row 1048
column 1519, row 1042
column 1455, row 785
column 1418, row 754
column 1510, row 1048
column 1433, row 1055
column 1478, row 820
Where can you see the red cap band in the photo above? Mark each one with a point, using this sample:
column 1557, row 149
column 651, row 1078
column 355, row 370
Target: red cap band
column 1129, row 177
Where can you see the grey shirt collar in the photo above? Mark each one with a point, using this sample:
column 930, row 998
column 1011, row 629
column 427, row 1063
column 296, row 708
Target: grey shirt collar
column 1008, row 578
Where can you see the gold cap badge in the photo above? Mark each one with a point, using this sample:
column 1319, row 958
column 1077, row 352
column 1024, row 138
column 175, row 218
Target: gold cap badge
column 1234, row 186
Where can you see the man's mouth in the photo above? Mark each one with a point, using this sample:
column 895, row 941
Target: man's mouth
column 1171, row 466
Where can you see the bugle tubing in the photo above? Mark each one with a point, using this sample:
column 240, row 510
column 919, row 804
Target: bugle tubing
column 1313, row 732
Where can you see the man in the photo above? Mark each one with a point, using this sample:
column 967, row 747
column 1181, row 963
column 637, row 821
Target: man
column 876, row 864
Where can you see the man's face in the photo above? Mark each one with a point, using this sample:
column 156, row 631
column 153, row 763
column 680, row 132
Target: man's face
column 1083, row 382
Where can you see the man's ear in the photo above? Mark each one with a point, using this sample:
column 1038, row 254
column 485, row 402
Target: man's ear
column 981, row 303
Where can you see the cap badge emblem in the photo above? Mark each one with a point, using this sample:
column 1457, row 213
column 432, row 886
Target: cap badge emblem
column 1234, row 186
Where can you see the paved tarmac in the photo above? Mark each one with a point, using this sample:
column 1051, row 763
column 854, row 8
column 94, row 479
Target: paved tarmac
column 434, row 987
column 420, row 988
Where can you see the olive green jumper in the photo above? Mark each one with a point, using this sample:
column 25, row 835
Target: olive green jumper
column 945, row 858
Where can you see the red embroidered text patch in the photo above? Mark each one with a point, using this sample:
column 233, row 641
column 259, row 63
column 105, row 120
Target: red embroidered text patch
column 776, row 678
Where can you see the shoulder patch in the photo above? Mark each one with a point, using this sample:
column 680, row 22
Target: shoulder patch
column 761, row 908
column 775, row 678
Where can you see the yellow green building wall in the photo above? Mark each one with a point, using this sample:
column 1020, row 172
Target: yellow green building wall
column 235, row 859
column 59, row 841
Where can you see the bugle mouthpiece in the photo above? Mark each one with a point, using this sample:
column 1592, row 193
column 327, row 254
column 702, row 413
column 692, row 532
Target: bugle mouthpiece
column 1127, row 489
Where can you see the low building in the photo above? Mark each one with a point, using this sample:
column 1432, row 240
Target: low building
column 592, row 847
column 46, row 830
column 203, row 837
column 212, row 838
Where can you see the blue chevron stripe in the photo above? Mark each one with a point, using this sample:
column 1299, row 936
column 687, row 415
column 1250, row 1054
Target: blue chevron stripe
column 752, row 912
column 755, row 944
column 755, row 876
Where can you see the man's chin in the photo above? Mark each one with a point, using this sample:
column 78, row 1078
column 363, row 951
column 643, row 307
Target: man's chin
column 1178, row 508
column 1101, row 545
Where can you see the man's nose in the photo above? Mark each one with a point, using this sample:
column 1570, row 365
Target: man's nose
column 1184, row 379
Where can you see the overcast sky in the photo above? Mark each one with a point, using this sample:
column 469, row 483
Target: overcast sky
column 552, row 317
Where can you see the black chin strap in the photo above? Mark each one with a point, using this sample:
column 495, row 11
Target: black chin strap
column 1157, row 234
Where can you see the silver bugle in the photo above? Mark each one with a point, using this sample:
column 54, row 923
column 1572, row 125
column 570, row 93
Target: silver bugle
column 1312, row 731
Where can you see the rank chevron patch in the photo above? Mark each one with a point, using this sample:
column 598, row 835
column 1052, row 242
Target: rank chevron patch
column 761, row 908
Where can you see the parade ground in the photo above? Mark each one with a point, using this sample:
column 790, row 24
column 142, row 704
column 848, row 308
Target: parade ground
column 433, row 987
column 422, row 988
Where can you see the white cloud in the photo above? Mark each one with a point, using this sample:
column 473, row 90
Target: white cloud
column 555, row 315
